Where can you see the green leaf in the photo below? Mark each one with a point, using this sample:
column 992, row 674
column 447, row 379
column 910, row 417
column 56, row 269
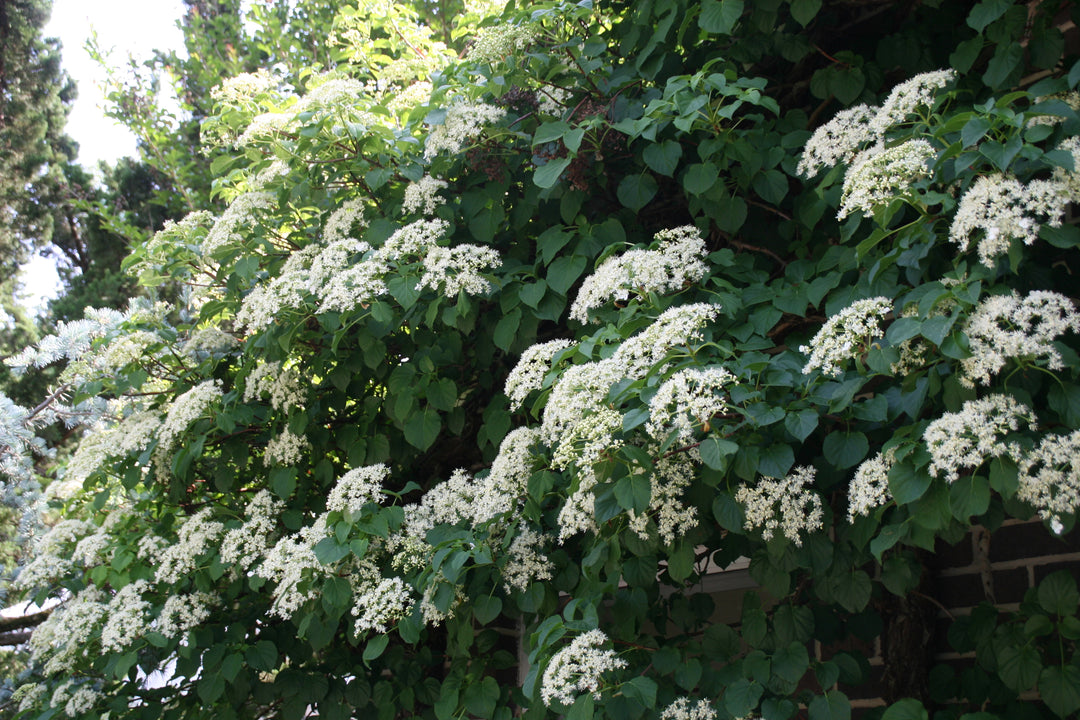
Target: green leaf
column 729, row 512
column 833, row 705
column 582, row 709
column 1059, row 686
column 1019, row 667
column 792, row 662
column 210, row 687
column 699, row 178
column 974, row 130
column 506, row 329
column 852, row 590
column 716, row 451
column 741, row 698
column 1058, row 595
column 906, row 709
column 969, row 495
column 329, row 551
column 375, row 647
column 442, row 394
column 663, row 157
column 804, row 10
column 987, row 12
column 486, row 608
column 771, row 185
column 564, row 272
column 1007, row 59
column 422, row 429
column 845, row 450
column 548, row 174
column 635, row 191
column 633, row 492
column 533, row 293
column 906, row 483
column 800, row 424
column 720, row 16
column 262, row 656
column 642, row 689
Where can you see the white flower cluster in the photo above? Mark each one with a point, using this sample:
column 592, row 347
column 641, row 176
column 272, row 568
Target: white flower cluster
column 209, row 342
column 909, row 96
column 682, row 709
column 670, row 476
column 869, row 488
column 195, row 537
column 1002, row 208
column 578, row 423
column 552, row 101
column 968, row 438
column 28, row 695
column 357, row 488
column 687, row 401
column 333, row 93
column 52, row 555
column 184, row 612
column 677, row 262
column 878, row 175
column 846, row 335
column 380, row 605
column 839, row 139
column 340, row 223
column 577, row 669
column 1070, row 179
column 527, row 562
column 77, row 702
column 286, row 449
column 787, row 505
column 291, row 563
column 492, row 44
column 1050, row 478
column 237, row 218
column 1008, row 326
column 422, row 196
column 282, row 385
column 127, row 617
column 528, row 374
column 264, row 126
column 186, row 409
column 65, row 635
column 244, row 87
column 463, row 122
column 244, row 545
column 459, row 268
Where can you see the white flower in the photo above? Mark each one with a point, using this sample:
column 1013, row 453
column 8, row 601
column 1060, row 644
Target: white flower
column 869, row 488
column 968, row 438
column 244, row 87
column 846, row 335
column 1002, row 208
column 908, row 96
column 65, row 635
column 236, row 219
column 422, row 196
column 1050, row 478
column 677, row 262
column 687, row 401
column 877, row 176
column 838, row 140
column 245, row 545
column 183, row 612
column 787, row 505
column 340, row 223
column 458, row 269
column 127, row 617
column 681, row 709
column 526, row 563
column 492, row 44
column 196, row 536
column 552, row 101
column 286, row 449
column 463, row 122
column 577, row 669
column 668, row 479
column 379, row 606
column 291, row 563
column 186, row 409
column 1008, row 326
column 357, row 488
column 528, row 375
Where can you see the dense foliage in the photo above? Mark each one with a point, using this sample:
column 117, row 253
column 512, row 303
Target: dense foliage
column 495, row 354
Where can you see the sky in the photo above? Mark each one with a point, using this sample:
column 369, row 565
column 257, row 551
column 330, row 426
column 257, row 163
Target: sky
column 135, row 27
